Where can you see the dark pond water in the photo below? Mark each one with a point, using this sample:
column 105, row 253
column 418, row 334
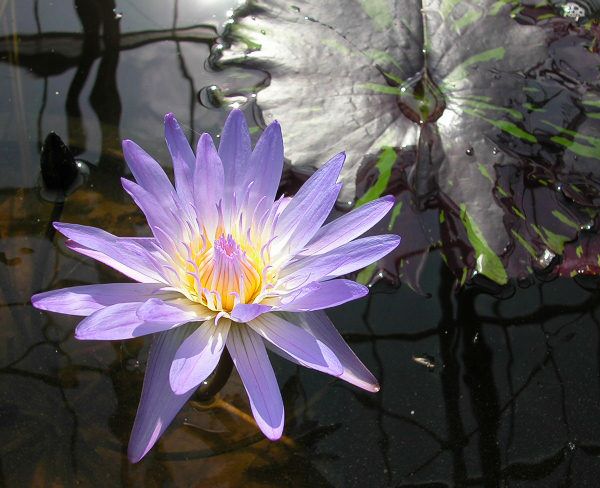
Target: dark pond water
column 477, row 388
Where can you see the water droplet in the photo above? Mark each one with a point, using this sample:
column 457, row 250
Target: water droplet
column 546, row 258
column 469, row 151
column 495, row 150
column 132, row 364
column 571, row 446
column 263, row 32
column 211, row 97
column 118, row 15
column 295, row 8
column 572, row 10
column 476, row 338
column 412, row 412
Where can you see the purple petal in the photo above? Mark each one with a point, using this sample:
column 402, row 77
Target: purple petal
column 198, row 355
column 87, row 299
column 345, row 259
column 155, row 214
column 234, row 148
column 175, row 311
column 319, row 325
column 322, row 295
column 304, row 206
column 315, row 213
column 149, row 175
column 182, row 156
column 349, row 226
column 244, row 312
column 297, row 343
column 252, row 363
column 208, row 181
column 265, row 168
column 120, row 253
column 158, row 404
column 118, row 322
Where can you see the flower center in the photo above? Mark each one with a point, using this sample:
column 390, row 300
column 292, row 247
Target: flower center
column 225, row 274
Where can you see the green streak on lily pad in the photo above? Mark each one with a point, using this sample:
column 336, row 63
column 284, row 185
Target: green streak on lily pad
column 379, row 12
column 337, row 46
column 594, row 115
column 564, row 219
column 467, row 19
column 497, row 6
column 488, row 106
column 579, row 251
column 484, row 171
column 442, row 217
column 528, row 247
column 460, row 72
column 488, row 263
column 555, row 242
column 591, row 103
column 505, row 126
column 381, row 57
column 388, row 90
column 518, row 212
column 577, row 148
column 395, row 213
column 384, row 165
column 447, row 6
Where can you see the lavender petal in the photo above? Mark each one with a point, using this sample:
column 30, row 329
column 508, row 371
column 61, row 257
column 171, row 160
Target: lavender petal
column 319, row 295
column 347, row 258
column 117, row 322
column 315, row 192
column 318, row 324
column 244, row 312
column 158, row 404
column 349, row 226
column 298, row 343
column 149, row 175
column 198, row 355
column 252, row 363
column 208, row 181
column 234, row 149
column 182, row 156
column 87, row 299
column 126, row 253
column 264, row 168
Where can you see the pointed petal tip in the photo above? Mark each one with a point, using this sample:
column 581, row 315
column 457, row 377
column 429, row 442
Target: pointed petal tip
column 170, row 117
column 134, row 455
column 273, row 434
column 375, row 388
column 37, row 301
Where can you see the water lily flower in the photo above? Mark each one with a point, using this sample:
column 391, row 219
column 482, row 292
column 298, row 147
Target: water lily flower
column 228, row 266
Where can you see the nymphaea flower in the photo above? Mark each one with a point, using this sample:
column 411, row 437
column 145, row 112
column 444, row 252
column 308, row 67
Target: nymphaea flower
column 228, row 266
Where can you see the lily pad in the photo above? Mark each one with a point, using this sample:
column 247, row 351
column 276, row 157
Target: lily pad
column 452, row 83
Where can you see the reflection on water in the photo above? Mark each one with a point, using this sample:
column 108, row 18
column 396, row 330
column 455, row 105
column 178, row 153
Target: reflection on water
column 476, row 390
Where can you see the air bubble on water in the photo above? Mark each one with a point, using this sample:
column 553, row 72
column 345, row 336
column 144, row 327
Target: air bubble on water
column 469, row 151
column 495, row 150
column 132, row 364
column 546, row 258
